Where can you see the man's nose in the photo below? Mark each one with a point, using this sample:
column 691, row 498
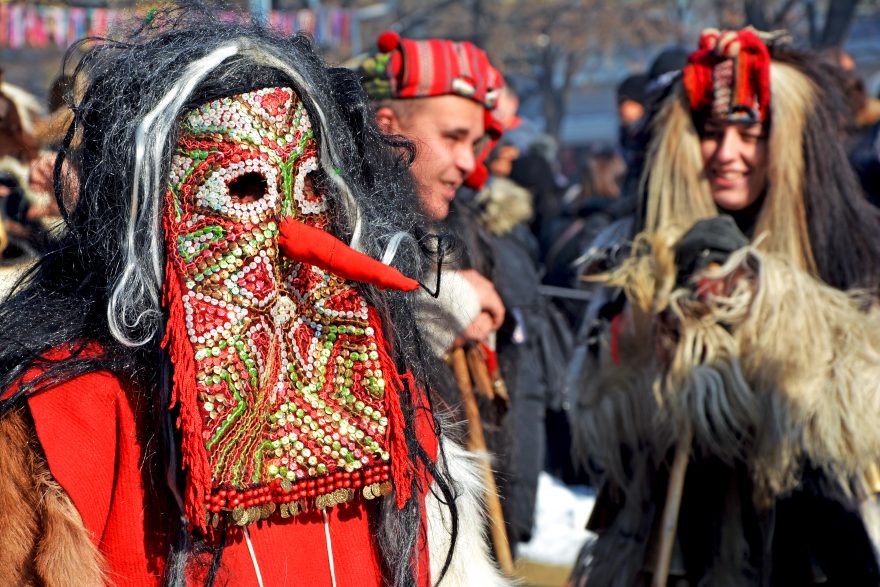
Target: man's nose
column 465, row 159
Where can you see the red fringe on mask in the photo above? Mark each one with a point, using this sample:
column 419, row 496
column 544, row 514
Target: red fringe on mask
column 401, row 473
column 185, row 394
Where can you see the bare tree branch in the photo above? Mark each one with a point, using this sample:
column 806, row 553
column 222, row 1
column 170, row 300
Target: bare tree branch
column 755, row 14
column 782, row 13
column 837, row 22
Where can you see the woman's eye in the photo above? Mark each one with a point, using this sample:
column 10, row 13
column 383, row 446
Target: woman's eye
column 248, row 188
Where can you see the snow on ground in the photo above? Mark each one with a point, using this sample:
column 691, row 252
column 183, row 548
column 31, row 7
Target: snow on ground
column 561, row 515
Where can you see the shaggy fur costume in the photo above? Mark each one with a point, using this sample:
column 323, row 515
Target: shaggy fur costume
column 44, row 539
column 469, row 566
column 776, row 376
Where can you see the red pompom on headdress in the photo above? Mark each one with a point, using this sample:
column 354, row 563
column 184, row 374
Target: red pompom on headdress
column 729, row 76
column 494, row 130
column 388, row 41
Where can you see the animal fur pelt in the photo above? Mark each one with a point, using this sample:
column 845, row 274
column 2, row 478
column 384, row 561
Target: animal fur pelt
column 770, row 368
column 21, row 172
column 18, row 170
column 621, row 435
column 502, row 205
column 471, row 562
column 766, row 364
column 27, row 105
column 44, row 541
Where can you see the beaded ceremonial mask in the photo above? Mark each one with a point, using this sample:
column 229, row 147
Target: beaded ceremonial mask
column 280, row 376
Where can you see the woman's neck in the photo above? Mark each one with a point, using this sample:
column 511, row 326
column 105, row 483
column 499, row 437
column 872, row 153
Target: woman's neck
column 746, row 218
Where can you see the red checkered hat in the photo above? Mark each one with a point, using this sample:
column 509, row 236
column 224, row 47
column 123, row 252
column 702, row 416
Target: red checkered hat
column 405, row 68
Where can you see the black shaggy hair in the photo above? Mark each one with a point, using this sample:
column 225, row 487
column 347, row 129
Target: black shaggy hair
column 101, row 280
column 842, row 223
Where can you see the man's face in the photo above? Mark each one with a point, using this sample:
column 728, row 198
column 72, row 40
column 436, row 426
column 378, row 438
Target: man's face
column 629, row 112
column 445, row 131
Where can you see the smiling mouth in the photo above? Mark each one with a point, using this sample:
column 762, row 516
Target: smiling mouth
column 449, row 188
column 729, row 178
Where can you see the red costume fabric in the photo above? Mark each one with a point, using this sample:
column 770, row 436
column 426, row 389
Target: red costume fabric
column 99, row 447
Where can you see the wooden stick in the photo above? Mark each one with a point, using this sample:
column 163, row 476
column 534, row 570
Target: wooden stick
column 477, row 443
column 669, row 520
column 486, row 385
column 479, row 372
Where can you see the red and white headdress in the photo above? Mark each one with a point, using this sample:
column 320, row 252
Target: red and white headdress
column 728, row 77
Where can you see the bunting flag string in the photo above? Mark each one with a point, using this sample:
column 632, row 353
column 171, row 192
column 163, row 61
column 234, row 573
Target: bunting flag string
column 39, row 27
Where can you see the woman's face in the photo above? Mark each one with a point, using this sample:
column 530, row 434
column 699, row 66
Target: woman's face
column 735, row 162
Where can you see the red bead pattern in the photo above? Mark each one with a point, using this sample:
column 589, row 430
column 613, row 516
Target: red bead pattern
column 289, row 376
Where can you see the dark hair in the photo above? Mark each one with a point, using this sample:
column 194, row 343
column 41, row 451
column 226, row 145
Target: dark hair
column 843, row 226
column 633, row 87
column 669, row 60
column 100, row 283
column 60, row 87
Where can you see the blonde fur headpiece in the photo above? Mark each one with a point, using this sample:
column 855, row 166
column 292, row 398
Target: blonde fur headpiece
column 678, row 190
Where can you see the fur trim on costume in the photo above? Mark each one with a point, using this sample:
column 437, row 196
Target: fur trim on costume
column 471, row 562
column 618, row 416
column 27, row 105
column 17, row 169
column 44, row 539
column 621, row 434
column 504, row 204
column 21, row 172
column 778, row 371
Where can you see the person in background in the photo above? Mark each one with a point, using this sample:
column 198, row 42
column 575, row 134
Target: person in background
column 445, row 108
column 598, row 203
column 862, row 121
column 736, row 378
column 532, row 345
column 631, row 96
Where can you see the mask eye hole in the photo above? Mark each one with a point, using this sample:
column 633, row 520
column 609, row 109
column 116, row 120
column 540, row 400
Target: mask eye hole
column 248, row 188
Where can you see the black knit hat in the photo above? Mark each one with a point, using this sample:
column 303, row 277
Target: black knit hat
column 633, row 88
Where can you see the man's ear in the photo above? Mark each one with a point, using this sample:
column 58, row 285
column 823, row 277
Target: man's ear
column 387, row 120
